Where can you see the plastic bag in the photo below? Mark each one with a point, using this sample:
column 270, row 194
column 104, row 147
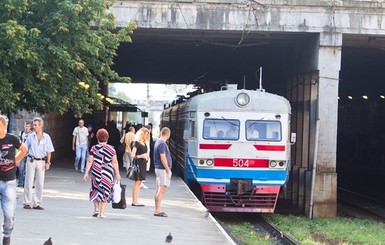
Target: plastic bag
column 122, row 204
column 117, row 196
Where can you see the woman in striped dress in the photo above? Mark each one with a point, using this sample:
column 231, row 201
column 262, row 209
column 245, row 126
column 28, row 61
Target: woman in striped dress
column 104, row 167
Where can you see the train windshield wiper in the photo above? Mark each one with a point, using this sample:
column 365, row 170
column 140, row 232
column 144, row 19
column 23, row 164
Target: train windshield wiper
column 230, row 122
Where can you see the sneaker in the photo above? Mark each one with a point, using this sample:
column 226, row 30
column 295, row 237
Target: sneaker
column 143, row 186
column 7, row 240
column 76, row 168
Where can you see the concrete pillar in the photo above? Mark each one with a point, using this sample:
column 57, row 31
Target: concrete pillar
column 125, row 119
column 325, row 182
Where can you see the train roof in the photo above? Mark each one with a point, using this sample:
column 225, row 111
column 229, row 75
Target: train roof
column 225, row 100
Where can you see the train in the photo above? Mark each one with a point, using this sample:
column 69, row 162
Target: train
column 234, row 144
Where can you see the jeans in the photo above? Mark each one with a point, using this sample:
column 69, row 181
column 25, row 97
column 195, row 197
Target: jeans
column 21, row 176
column 81, row 152
column 8, row 204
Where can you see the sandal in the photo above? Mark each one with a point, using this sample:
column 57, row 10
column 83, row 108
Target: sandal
column 95, row 214
column 161, row 214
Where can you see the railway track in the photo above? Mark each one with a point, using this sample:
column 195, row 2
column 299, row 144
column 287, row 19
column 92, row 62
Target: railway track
column 358, row 205
column 261, row 226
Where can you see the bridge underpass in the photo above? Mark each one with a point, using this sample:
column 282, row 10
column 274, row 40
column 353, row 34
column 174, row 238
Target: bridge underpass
column 361, row 134
column 211, row 59
column 206, row 58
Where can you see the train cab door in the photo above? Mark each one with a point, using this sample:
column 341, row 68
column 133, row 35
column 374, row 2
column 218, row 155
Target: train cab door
column 190, row 139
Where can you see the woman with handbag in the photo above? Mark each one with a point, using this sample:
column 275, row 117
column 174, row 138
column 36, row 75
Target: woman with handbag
column 104, row 167
column 139, row 156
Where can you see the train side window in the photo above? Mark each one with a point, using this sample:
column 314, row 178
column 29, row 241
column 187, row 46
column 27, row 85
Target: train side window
column 192, row 129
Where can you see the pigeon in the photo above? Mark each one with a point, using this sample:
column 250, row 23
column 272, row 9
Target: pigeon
column 48, row 242
column 169, row 238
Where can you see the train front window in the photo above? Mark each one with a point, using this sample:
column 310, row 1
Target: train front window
column 221, row 129
column 263, row 130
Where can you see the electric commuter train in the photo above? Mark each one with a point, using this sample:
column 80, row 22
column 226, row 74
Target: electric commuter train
column 235, row 144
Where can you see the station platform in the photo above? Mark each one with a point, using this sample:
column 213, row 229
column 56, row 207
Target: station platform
column 68, row 220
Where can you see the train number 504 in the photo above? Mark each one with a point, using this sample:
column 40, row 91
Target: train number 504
column 240, row 163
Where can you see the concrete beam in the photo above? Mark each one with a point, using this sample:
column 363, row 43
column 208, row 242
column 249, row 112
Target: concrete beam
column 352, row 17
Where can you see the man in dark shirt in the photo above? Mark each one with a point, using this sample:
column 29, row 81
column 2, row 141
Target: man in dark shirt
column 23, row 137
column 9, row 160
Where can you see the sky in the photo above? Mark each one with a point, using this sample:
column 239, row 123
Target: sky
column 138, row 91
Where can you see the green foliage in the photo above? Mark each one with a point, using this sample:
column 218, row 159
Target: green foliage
column 47, row 47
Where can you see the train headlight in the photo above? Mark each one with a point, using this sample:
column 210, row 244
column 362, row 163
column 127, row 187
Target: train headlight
column 277, row 164
column 205, row 163
column 209, row 162
column 242, row 99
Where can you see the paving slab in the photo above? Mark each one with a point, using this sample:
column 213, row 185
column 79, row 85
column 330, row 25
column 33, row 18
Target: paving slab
column 67, row 217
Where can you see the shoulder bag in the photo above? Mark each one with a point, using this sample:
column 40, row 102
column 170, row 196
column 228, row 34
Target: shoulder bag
column 133, row 172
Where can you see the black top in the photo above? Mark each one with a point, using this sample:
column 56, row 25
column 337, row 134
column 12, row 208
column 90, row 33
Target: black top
column 8, row 146
column 140, row 148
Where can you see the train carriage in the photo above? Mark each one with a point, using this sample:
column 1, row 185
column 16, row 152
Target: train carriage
column 235, row 144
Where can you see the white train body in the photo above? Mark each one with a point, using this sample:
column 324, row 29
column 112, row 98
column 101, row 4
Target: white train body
column 235, row 144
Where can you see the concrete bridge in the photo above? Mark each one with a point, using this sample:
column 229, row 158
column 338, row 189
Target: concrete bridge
column 311, row 49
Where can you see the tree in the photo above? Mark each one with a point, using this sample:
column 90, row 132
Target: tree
column 56, row 55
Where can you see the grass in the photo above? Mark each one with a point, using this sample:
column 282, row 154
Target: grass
column 246, row 234
column 317, row 231
column 340, row 230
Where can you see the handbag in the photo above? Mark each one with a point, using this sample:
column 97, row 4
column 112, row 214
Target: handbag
column 122, row 203
column 133, row 170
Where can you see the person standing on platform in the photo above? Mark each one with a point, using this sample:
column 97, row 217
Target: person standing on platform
column 40, row 149
column 163, row 165
column 128, row 139
column 139, row 156
column 150, row 151
column 79, row 145
column 9, row 161
column 151, row 146
column 23, row 137
column 90, row 137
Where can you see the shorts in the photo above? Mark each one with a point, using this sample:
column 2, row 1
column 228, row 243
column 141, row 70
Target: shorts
column 162, row 178
column 127, row 160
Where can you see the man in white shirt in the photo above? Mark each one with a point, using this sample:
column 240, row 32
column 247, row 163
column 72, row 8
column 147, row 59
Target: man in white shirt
column 79, row 145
